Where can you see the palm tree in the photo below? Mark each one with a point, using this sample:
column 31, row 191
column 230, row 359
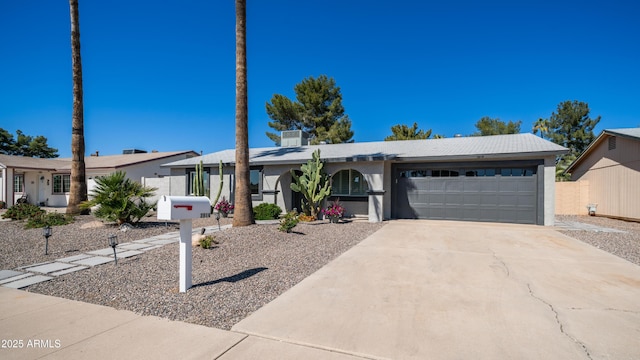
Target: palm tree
column 78, row 191
column 243, row 211
column 541, row 125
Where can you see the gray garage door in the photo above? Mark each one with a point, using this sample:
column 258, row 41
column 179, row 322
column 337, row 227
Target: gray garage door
column 480, row 193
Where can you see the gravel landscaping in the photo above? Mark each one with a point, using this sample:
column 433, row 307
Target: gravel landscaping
column 250, row 267
column 622, row 244
column 247, row 269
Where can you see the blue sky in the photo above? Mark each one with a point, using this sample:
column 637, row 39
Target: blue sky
column 161, row 75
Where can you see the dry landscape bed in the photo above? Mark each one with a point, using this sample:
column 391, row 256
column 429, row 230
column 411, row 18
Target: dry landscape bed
column 250, row 267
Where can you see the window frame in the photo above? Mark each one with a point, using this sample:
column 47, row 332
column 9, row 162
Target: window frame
column 18, row 183
column 62, row 184
column 259, row 169
column 350, row 183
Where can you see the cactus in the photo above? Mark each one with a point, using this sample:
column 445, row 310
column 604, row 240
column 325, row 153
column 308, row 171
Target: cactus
column 313, row 184
column 221, row 183
column 198, row 181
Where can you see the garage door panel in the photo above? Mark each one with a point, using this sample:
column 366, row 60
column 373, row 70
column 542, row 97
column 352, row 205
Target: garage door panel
column 490, row 198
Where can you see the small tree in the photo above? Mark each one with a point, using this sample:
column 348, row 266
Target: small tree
column 119, row 199
column 313, row 184
column 488, row 126
column 404, row 132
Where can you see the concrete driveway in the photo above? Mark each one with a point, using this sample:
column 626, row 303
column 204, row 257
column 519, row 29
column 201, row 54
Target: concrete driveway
column 459, row 290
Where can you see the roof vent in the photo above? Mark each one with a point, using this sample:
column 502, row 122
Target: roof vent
column 133, row 151
column 293, row 138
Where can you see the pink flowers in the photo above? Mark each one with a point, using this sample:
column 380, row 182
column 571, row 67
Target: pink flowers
column 335, row 210
column 224, row 206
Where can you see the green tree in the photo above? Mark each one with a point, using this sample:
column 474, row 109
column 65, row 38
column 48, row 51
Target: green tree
column 78, row 190
column 572, row 127
column 541, row 126
column 488, row 126
column 25, row 145
column 404, row 132
column 243, row 211
column 317, row 110
column 119, row 199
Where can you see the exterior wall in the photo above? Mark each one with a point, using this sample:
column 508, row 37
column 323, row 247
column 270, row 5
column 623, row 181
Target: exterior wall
column 614, row 178
column 548, row 193
column 572, row 197
column 168, row 185
column 150, row 169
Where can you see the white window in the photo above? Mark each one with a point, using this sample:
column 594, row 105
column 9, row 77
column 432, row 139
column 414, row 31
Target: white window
column 61, row 183
column 18, row 183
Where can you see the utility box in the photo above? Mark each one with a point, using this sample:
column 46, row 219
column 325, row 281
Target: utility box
column 183, row 207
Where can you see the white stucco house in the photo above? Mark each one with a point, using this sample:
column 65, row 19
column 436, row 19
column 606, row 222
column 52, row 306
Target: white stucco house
column 502, row 178
column 47, row 181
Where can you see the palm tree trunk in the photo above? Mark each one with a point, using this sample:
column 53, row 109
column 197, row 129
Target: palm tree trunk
column 78, row 191
column 243, row 211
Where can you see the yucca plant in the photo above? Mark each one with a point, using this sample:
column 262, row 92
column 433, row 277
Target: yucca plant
column 119, row 199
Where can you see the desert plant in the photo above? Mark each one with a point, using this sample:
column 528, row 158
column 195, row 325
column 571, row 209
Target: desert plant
column 198, row 181
column 267, row 211
column 224, row 207
column 119, row 199
column 22, row 211
column 288, row 222
column 48, row 219
column 221, row 183
column 2, row 204
column 306, row 218
column 207, row 241
column 313, row 184
column 334, row 211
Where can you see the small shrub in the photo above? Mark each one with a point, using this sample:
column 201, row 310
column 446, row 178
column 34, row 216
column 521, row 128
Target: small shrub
column 48, row 219
column 2, row 204
column 306, row 218
column 266, row 211
column 224, row 207
column 207, row 241
column 22, row 211
column 288, row 222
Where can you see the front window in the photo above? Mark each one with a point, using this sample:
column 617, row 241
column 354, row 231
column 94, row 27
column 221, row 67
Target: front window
column 255, row 178
column 348, row 183
column 61, row 183
column 18, row 183
column 205, row 176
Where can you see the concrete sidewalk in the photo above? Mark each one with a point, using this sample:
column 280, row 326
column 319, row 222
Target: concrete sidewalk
column 34, row 326
column 413, row 290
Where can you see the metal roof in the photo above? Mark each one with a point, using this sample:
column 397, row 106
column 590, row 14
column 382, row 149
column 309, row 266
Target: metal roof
column 475, row 147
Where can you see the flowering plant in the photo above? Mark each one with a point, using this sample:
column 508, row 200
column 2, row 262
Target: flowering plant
column 335, row 210
column 224, row 206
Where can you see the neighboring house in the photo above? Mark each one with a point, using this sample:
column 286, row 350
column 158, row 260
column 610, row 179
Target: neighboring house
column 48, row 181
column 611, row 167
column 503, row 178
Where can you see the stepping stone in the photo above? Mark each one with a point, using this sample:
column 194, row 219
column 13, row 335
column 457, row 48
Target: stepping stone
column 27, row 281
column 45, row 269
column 8, row 273
column 18, row 277
column 132, row 246
column 151, row 248
column 102, row 252
column 74, row 258
column 32, row 265
column 93, row 261
column 163, row 242
column 70, row 270
column 127, row 254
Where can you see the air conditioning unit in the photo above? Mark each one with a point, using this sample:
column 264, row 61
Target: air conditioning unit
column 293, row 138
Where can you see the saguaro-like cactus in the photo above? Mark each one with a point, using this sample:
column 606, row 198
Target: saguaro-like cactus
column 198, row 181
column 313, row 184
column 221, row 177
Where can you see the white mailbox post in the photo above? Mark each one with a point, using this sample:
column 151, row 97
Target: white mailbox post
column 184, row 208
